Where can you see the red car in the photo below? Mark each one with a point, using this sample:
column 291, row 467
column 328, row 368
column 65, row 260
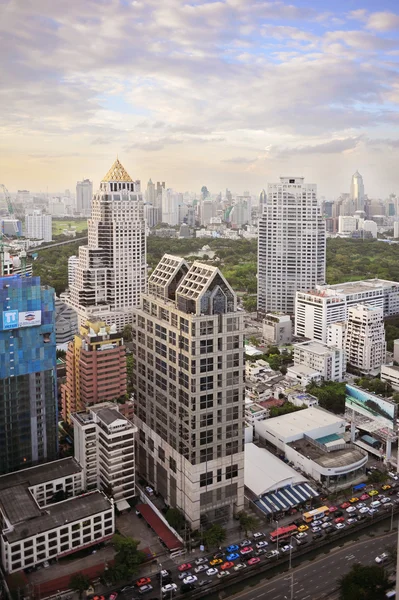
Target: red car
column 345, row 505
column 364, row 497
column 254, row 561
column 227, row 565
column 184, row 567
column 332, row 509
column 339, row 520
column 246, row 550
column 143, row 581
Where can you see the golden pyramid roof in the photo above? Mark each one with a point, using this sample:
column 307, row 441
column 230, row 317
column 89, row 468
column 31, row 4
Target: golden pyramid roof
column 117, row 173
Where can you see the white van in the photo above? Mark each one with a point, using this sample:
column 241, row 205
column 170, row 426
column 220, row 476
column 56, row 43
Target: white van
column 390, row 594
column 375, row 504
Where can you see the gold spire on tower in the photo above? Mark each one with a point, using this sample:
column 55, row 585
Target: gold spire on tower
column 117, row 173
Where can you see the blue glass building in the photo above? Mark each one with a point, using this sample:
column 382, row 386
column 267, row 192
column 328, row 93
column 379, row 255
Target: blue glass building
column 28, row 390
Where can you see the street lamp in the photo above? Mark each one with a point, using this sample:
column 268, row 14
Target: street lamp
column 277, row 534
column 160, row 581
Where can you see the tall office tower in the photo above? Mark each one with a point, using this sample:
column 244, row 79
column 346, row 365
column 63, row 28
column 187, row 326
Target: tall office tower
column 357, row 191
column 262, row 201
column 158, row 202
column 291, row 244
column 95, row 368
column 207, row 211
column 151, row 194
column 39, row 226
column 112, row 271
column 189, row 380
column 72, row 264
column 84, row 194
column 170, row 207
column 28, row 393
column 365, row 345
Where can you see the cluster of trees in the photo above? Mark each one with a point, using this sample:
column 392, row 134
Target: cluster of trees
column 52, row 265
column 331, row 395
column 364, row 583
column 126, row 562
column 288, row 407
column 375, row 385
column 276, row 360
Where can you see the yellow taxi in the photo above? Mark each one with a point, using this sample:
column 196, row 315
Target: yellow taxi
column 386, row 487
column 215, row 561
column 302, row 528
column 353, row 500
column 373, row 493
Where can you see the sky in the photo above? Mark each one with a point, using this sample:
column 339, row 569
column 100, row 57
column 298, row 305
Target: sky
column 224, row 93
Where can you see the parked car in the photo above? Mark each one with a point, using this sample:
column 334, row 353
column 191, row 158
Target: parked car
column 301, row 535
column 351, row 509
column 223, row 574
column 201, row 560
column 245, row 543
column 364, row 510
column 352, row 520
column 226, row 565
column 184, row 567
column 232, row 548
column 239, row 566
column 354, row 499
column 200, row 568
column 339, row 520
column 205, row 582
column 169, row 588
column 317, row 536
column 144, row 589
column 385, row 500
column 164, row 574
column 246, row 550
column 303, row 528
column 212, row 571
column 316, row 529
column 232, row 556
column 373, row 493
column 261, row 544
column 190, row 579
column 149, row 490
column 385, row 487
column 332, row 509
column 258, row 534
column 364, row 496
column 345, row 505
column 316, row 523
column 184, row 574
column 143, row 581
column 113, row 596
column 287, row 548
column 340, row 526
column 272, row 554
column 254, row 561
column 215, row 561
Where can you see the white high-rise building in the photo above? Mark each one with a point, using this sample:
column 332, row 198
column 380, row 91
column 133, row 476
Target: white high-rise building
column 330, row 362
column 357, row 191
column 151, row 194
column 347, row 225
column 365, row 345
column 72, row 264
column 84, row 194
column 170, row 207
column 39, row 226
column 189, row 376
column 111, row 273
column 291, row 246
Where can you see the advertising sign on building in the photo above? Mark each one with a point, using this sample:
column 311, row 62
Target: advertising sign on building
column 10, row 319
column 372, row 406
column 30, row 318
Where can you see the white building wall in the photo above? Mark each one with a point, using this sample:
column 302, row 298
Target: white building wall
column 38, row 226
column 365, row 338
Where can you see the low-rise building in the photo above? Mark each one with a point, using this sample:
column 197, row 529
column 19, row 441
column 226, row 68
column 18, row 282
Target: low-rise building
column 330, row 362
column 104, row 446
column 256, row 412
column 303, row 375
column 277, row 329
column 37, row 521
column 390, row 374
column 303, row 400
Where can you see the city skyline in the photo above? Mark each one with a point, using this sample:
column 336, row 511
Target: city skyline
column 232, row 93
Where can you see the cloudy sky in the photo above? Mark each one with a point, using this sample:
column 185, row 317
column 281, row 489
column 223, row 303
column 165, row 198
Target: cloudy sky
column 226, row 93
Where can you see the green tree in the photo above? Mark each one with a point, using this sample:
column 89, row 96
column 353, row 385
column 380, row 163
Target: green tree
column 127, row 559
column 250, row 303
column 127, row 333
column 129, row 373
column 364, row 583
column 395, row 397
column 247, row 522
column 175, row 518
column 331, row 395
column 214, row 536
column 79, row 583
column 377, row 477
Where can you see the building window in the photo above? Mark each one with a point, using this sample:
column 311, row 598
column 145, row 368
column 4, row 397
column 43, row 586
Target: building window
column 172, row 464
column 231, row 471
column 206, row 454
column 206, row 479
column 206, row 437
column 206, row 401
column 161, row 454
column 206, row 327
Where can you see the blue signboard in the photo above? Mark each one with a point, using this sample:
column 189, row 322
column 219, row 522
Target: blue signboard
column 10, row 319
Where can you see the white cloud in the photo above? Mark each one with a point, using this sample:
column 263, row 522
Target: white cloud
column 383, row 21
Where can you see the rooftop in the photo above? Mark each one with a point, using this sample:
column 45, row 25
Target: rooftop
column 302, row 421
column 117, row 173
column 313, row 346
column 302, row 370
column 40, row 474
column 58, row 514
column 328, row 460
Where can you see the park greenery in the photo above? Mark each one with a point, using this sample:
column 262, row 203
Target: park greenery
column 331, row 395
column 364, row 583
column 126, row 562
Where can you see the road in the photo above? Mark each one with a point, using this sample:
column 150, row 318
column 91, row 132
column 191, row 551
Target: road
column 71, row 241
column 313, row 580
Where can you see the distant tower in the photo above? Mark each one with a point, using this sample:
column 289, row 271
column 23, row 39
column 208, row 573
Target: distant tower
column 151, row 195
column 357, row 191
column 262, row 201
column 84, row 194
column 291, row 245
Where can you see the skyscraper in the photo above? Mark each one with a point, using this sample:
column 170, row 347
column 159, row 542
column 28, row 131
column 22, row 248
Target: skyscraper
column 357, row 191
column 38, row 226
column 291, row 245
column 112, row 272
column 28, row 398
column 189, row 377
column 84, row 193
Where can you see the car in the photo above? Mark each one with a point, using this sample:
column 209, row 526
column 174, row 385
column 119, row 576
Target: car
column 351, row 509
column 215, row 561
column 326, row 525
column 219, row 554
column 393, row 475
column 211, row 572
column 375, row 504
column 260, row 551
column 190, row 579
column 201, row 560
column 316, row 523
column 144, row 589
column 261, row 544
column 361, row 505
column 239, row 566
column 113, row 596
column 345, row 505
column 332, row 509
column 287, row 548
column 143, row 581
column 361, row 517
column 317, row 536
column 127, row 588
column 258, row 534
column 339, row 520
column 232, row 548
column 386, row 486
column 354, row 499
column 340, row 526
column 302, row 528
column 205, row 582
column 232, row 556
column 164, row 574
column 373, row 493
column 200, row 568
column 301, row 535
column 272, row 554
column 169, row 588
column 223, row 574
column 326, row 519
column 364, row 510
column 184, row 574
column 246, row 550
column 149, row 490
column 184, row 567
column 245, row 543
column 382, row 557
column 364, row 496
column 227, row 565
column 254, row 561
column 385, row 500
column 316, row 529
column 352, row 520
column 372, row 511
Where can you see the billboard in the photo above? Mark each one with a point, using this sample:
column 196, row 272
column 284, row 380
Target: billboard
column 384, row 412
column 13, row 319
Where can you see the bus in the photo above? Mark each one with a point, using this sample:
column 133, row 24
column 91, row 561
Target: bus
column 315, row 514
column 282, row 533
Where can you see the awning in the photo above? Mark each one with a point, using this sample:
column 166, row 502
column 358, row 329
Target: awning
column 122, row 505
column 157, row 525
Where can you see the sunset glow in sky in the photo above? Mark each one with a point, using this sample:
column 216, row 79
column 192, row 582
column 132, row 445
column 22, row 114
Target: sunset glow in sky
column 230, row 93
